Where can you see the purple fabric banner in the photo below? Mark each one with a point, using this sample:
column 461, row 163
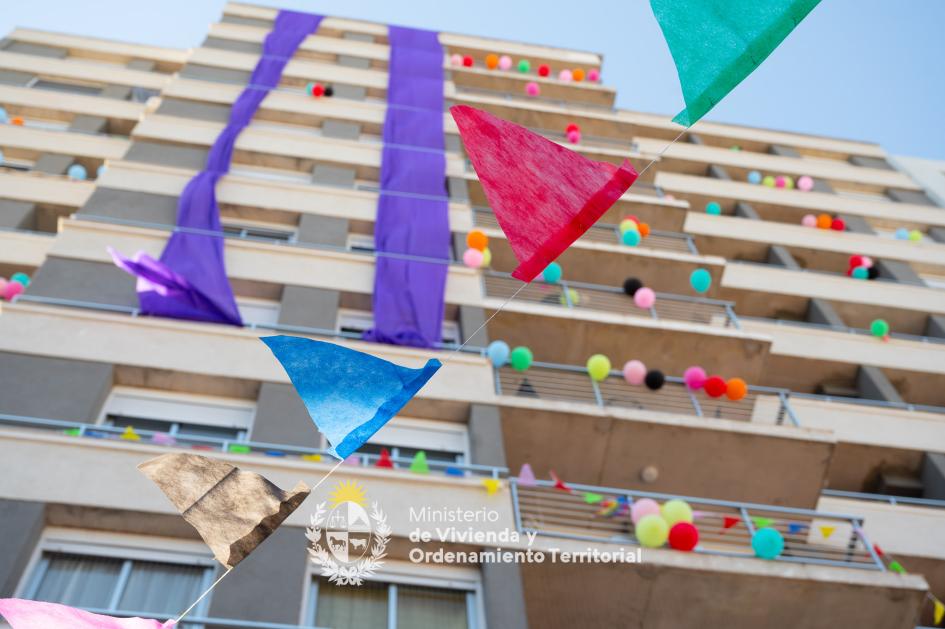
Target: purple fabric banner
column 408, row 294
column 189, row 281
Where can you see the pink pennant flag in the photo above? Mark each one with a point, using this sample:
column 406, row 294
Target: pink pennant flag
column 545, row 196
column 23, row 614
column 526, row 477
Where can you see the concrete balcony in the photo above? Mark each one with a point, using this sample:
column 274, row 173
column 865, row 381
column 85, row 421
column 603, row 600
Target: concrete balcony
column 38, row 141
column 93, row 48
column 672, row 588
column 80, row 70
column 64, row 107
column 23, row 249
column 45, row 189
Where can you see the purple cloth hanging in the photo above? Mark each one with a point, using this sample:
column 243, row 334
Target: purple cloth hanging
column 409, row 294
column 189, row 281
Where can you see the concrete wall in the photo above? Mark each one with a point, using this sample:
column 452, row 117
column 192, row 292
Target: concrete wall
column 21, row 524
column 53, row 388
column 309, row 307
column 96, row 282
column 131, row 205
column 281, row 418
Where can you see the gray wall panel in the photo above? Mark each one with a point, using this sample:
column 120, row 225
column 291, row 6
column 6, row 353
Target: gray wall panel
column 96, row 282
column 281, row 417
column 21, row 524
column 53, row 388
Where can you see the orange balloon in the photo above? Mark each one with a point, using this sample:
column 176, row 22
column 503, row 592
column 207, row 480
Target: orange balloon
column 824, row 221
column 737, row 389
column 492, row 61
column 17, row 120
column 477, row 240
column 578, row 74
column 644, row 229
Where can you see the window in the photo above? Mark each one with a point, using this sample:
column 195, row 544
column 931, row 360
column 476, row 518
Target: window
column 259, row 311
column 360, row 321
column 361, row 242
column 257, row 232
column 180, row 415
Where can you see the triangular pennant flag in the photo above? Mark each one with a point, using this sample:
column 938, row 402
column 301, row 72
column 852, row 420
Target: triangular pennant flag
column 896, row 567
column 233, row 511
column 938, row 612
column 130, row 434
column 315, row 458
column 559, row 484
column 879, row 551
column 351, row 461
column 624, row 505
column 454, row 471
column 545, row 196
column 794, row 527
column 716, row 44
column 23, row 614
column 349, row 395
column 72, row 432
column 827, row 531
column 526, row 389
column 608, row 507
column 728, row 522
column 526, row 477
column 419, row 463
column 762, row 522
column 163, row 439
column 384, row 460
column 592, row 498
column 238, row 448
column 492, row 485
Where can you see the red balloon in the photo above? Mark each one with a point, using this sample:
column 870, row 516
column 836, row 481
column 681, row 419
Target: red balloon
column 318, row 90
column 572, row 127
column 543, row 70
column 838, row 225
column 468, row 61
column 855, row 261
column 715, row 386
column 683, row 536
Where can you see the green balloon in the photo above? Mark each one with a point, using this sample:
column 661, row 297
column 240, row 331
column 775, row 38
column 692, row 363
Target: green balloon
column 652, row 531
column 524, row 66
column 879, row 328
column 768, row 181
column 520, row 358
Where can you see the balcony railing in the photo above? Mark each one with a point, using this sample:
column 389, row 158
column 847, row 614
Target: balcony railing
column 609, row 234
column 893, row 500
column 585, row 296
column 235, row 446
column 198, row 620
column 725, row 527
column 915, row 338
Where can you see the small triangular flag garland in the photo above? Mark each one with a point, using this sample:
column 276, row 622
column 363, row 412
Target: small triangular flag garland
column 762, row 522
column 24, row 614
column 795, row 528
column 492, row 485
column 130, row 434
column 559, row 484
column 384, row 459
column 896, row 567
column 526, row 477
column 728, row 522
column 938, row 611
column 608, row 507
column 419, row 463
column 827, row 531
column 592, row 498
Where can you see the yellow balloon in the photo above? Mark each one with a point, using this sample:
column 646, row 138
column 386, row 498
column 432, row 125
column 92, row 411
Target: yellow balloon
column 598, row 366
column 676, row 511
column 486, row 257
column 626, row 224
column 652, row 531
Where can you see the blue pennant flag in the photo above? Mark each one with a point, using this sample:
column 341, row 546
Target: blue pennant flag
column 795, row 528
column 350, row 395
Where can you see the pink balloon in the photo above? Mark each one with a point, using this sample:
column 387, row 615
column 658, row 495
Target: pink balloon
column 456, row 60
column 780, row 182
column 3, row 285
column 532, row 89
column 867, row 262
column 644, row 298
column 695, row 377
column 565, row 75
column 593, row 75
column 11, row 290
column 642, row 507
column 634, row 372
column 505, row 62
column 809, row 220
column 805, row 183
column 574, row 137
column 473, row 258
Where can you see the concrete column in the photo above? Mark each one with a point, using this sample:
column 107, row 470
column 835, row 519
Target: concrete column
column 933, row 476
column 53, row 164
column 935, row 326
column 175, row 155
column 471, row 319
column 88, row 124
column 253, row 48
column 17, row 79
column 217, row 75
column 365, row 37
column 870, row 162
column 780, row 256
column 916, row 197
column 873, row 384
column 21, row 524
column 281, row 417
column 485, row 435
column 718, row 172
column 341, row 130
column 246, row 21
column 17, row 214
column 694, row 138
column 783, row 151
column 37, row 50
column 278, row 567
column 131, row 205
column 350, row 92
column 323, row 230
column 333, row 176
column 458, row 189
column 54, row 388
column 821, row 312
column 821, row 185
column 349, row 61
column 899, row 272
column 745, row 210
column 309, row 307
column 96, row 282
column 937, row 234
column 211, row 112
column 857, row 224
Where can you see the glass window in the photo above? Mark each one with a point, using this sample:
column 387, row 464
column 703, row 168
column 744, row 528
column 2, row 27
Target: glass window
column 178, row 429
column 340, row 607
column 422, row 608
column 380, row 605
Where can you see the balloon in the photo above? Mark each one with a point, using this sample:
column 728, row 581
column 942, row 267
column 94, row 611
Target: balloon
column 676, row 510
column 736, row 389
column 780, row 182
column 317, row 90
column 574, row 137
column 11, row 290
column 3, row 286
column 838, row 225
column 715, row 386
column 805, row 183
column 532, row 89
column 486, row 257
column 498, row 352
column 754, row 177
column 577, row 74
column 593, row 75
column 628, row 223
column 861, row 273
column 17, row 121
column 631, row 285
column 572, row 126
column 565, row 75
column 4, row 116
column 22, row 278
column 552, row 273
column 634, row 372
column 643, row 507
column 768, row 181
column 520, row 358
column 788, row 182
column 645, row 297
column 824, row 221
column 644, row 229
column 902, row 234
column 713, row 208
column 767, row 543
column 654, row 380
column 492, row 61
column 477, row 240
column 855, row 261
column 1, row 157
column 631, row 238
column 543, row 70
column 468, row 61
column 683, row 536
column 329, row 91
column 456, row 60
column 570, row 295
column 472, row 258
column 879, row 328
column 524, row 66
column 809, row 220
column 651, row 531
column 700, row 280
column 598, row 366
column 695, row 378
column 77, row 172
column 872, row 273
column 505, row 62
column 915, row 235
column 101, row 170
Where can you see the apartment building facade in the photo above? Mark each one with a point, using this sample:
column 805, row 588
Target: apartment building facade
column 840, row 431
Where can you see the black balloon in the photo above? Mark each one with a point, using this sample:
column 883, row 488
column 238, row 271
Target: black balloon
column 872, row 273
column 631, row 285
column 329, row 91
column 654, row 379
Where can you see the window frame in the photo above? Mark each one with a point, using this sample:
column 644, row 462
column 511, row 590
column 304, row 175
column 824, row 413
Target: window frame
column 419, row 429
column 351, row 317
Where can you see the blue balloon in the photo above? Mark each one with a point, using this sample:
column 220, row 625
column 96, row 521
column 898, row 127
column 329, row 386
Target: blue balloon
column 552, row 273
column 631, row 237
column 767, row 543
column 713, row 208
column 498, row 352
column 4, row 116
column 1, row 157
column 700, row 280
column 22, row 278
column 754, row 177
column 902, row 234
column 77, row 172
column 100, row 171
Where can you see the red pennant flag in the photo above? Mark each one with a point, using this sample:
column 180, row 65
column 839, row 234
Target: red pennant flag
column 879, row 551
column 559, row 484
column 384, row 459
column 545, row 196
column 728, row 522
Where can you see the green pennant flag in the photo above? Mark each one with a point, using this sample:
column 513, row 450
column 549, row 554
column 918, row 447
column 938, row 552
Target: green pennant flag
column 592, row 498
column 896, row 567
column 716, row 44
column 761, row 523
column 419, row 463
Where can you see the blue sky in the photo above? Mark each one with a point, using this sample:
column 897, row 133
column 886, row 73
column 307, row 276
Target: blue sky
column 860, row 69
